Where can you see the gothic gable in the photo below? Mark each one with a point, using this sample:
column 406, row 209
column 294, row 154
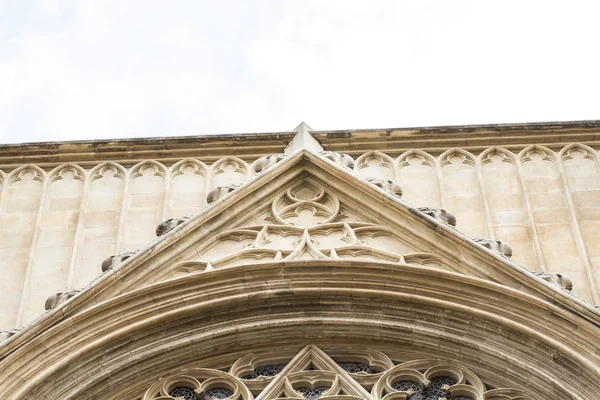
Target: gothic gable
column 310, row 207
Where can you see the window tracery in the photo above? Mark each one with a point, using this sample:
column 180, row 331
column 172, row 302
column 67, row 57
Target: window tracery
column 313, row 374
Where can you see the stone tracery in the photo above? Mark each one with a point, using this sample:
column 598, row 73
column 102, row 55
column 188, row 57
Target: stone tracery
column 313, row 374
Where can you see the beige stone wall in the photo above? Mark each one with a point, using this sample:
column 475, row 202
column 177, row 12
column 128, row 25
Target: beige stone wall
column 58, row 223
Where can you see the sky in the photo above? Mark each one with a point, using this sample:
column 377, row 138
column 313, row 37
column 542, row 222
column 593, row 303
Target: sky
column 101, row 69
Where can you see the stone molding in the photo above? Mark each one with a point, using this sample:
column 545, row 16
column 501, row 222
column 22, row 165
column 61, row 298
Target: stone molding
column 313, row 296
column 369, row 299
column 314, row 370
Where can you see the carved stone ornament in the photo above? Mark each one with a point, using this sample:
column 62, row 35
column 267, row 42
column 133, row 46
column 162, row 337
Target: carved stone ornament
column 168, row 225
column 496, row 246
column 341, row 159
column 221, row 191
column 392, row 187
column 440, row 214
column 5, row 335
column 59, row 298
column 267, row 162
column 284, row 375
column 561, row 281
column 115, row 260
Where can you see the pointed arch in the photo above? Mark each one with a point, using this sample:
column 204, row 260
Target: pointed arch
column 101, row 215
column 144, row 204
column 419, row 179
column 58, row 172
column 504, row 154
column 580, row 169
column 188, row 187
column 588, row 152
column 465, row 156
column 56, row 233
column 544, row 186
column 546, row 154
column 376, row 164
column 510, row 217
column 116, row 170
column 228, row 171
column 18, row 174
column 462, row 194
column 138, row 169
column 24, row 194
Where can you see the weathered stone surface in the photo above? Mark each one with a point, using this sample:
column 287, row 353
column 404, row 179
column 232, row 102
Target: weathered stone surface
column 440, row 214
column 170, row 224
column 115, row 260
column 59, row 298
column 496, row 246
column 267, row 162
column 390, row 186
column 341, row 159
column 220, row 192
column 559, row 280
column 5, row 335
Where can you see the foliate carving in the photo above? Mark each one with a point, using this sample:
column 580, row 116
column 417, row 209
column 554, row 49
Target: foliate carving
column 343, row 160
column 496, row 246
column 220, row 192
column 5, row 335
column 392, row 187
column 439, row 214
column 168, row 225
column 113, row 261
column 559, row 280
column 56, row 299
column 267, row 162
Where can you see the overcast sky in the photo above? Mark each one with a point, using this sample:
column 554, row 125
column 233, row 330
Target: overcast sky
column 97, row 69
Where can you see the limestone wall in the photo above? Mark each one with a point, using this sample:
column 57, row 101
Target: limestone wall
column 58, row 223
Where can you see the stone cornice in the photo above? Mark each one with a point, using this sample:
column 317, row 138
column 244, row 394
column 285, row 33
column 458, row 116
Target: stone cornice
column 475, row 138
column 392, row 141
column 130, row 151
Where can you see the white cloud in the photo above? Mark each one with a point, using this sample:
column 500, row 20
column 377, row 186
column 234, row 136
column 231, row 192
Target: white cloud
column 100, row 69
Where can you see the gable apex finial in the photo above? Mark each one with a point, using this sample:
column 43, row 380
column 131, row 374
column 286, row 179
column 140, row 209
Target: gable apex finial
column 303, row 140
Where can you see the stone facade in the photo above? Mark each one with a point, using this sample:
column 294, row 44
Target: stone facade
column 497, row 212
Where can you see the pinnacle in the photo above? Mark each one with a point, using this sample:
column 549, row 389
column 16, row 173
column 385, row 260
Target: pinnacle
column 303, row 140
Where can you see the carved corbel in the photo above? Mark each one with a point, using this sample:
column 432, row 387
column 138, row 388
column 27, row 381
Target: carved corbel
column 221, row 191
column 267, row 162
column 496, row 246
column 559, row 280
column 441, row 215
column 56, row 299
column 5, row 335
column 170, row 224
column 343, row 160
column 115, row 260
column 392, row 187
